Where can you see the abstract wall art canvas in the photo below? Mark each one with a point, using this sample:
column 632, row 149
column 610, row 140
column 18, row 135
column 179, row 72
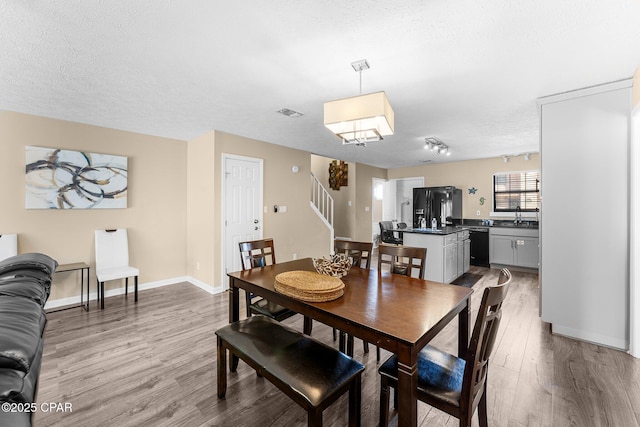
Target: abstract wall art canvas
column 66, row 179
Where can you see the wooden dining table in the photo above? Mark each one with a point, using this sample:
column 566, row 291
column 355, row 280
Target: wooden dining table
column 394, row 312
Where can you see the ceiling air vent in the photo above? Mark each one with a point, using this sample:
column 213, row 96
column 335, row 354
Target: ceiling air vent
column 289, row 113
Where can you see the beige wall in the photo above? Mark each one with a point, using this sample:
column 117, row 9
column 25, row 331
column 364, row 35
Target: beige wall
column 344, row 215
column 202, row 215
column 299, row 231
column 468, row 174
column 174, row 215
column 364, row 192
column 156, row 214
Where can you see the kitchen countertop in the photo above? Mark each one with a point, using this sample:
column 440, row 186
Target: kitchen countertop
column 469, row 224
column 440, row 231
column 533, row 225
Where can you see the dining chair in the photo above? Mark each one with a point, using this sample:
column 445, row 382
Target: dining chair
column 455, row 385
column 387, row 233
column 112, row 260
column 395, row 256
column 255, row 254
column 8, row 245
column 359, row 252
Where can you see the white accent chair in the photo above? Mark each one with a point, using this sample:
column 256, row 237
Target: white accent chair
column 8, row 245
column 112, row 260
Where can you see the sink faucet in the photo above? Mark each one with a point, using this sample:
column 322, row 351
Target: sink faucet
column 518, row 219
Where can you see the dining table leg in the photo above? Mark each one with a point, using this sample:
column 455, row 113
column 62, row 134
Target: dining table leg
column 234, row 316
column 464, row 325
column 407, row 391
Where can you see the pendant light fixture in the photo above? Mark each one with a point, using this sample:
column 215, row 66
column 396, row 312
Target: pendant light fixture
column 360, row 119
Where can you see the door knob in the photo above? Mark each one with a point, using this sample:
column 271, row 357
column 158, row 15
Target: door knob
column 256, row 228
column 255, row 221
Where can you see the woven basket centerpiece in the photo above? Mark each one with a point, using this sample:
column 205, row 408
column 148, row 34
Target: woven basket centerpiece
column 337, row 266
column 309, row 286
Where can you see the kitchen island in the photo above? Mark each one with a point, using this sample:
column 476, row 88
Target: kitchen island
column 448, row 251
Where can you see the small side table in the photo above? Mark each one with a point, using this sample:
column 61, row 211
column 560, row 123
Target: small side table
column 74, row 267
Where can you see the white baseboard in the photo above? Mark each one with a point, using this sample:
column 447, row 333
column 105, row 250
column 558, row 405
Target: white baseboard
column 75, row 300
column 598, row 339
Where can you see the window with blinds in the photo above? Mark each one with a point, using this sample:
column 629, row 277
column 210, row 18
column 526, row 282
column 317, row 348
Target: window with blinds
column 513, row 189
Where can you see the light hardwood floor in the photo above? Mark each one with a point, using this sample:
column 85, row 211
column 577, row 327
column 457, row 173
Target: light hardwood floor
column 153, row 364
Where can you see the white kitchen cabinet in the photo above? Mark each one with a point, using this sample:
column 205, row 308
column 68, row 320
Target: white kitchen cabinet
column 463, row 252
column 467, row 256
column 450, row 263
column 447, row 258
column 514, row 247
column 460, row 257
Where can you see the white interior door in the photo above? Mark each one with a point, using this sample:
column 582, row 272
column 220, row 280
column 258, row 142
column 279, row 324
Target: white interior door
column 242, row 200
column 404, row 198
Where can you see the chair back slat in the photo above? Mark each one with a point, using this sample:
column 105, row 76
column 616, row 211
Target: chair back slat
column 402, row 259
column 357, row 251
column 483, row 339
column 257, row 253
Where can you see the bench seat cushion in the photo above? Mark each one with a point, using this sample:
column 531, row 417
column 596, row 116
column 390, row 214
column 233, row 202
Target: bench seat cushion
column 311, row 369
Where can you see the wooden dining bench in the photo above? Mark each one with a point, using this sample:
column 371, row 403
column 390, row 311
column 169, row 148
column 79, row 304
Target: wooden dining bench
column 311, row 373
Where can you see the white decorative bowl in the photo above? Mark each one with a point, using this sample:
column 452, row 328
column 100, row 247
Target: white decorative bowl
column 337, row 266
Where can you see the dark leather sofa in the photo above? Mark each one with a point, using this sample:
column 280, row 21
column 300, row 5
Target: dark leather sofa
column 25, row 284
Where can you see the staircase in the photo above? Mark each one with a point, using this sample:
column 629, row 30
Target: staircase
column 322, row 204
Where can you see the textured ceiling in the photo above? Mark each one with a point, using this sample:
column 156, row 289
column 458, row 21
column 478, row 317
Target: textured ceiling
column 467, row 72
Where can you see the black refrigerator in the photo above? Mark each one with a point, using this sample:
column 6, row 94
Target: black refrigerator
column 442, row 203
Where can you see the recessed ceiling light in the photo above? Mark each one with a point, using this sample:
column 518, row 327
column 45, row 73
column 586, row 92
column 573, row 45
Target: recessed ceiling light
column 289, row 113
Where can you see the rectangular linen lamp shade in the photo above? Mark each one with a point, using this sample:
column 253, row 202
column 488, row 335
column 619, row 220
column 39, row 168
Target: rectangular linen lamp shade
column 361, row 118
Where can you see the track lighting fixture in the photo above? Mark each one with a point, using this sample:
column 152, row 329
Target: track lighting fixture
column 434, row 144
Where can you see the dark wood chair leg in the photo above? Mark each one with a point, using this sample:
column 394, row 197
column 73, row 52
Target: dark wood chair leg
column 355, row 402
column 342, row 343
column 482, row 408
column 247, row 295
column 350, row 345
column 335, row 334
column 234, row 363
column 222, row 370
column 308, row 325
column 378, row 353
column 365, row 346
column 384, row 402
column 136, row 289
column 126, row 286
column 314, row 418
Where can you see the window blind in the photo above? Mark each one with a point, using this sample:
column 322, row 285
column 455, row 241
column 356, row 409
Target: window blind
column 514, row 189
